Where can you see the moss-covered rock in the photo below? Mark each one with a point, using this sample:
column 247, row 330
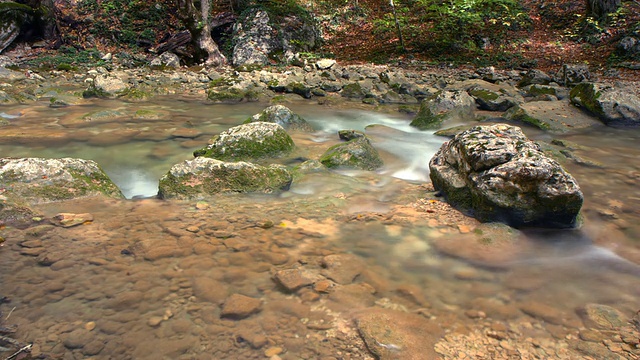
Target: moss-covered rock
column 357, row 153
column 247, row 142
column 613, row 107
column 231, row 95
column 39, row 180
column 283, row 116
column 443, row 106
column 204, row 177
column 520, row 114
column 353, row 91
column 490, row 100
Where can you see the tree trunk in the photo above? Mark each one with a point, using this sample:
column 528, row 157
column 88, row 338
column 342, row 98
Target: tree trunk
column 601, row 8
column 198, row 25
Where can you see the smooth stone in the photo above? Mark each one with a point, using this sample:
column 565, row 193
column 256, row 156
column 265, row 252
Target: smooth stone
column 238, row 306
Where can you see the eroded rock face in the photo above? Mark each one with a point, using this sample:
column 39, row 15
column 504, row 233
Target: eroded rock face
column 247, row 142
column 255, row 40
column 283, row 116
column 203, row 177
column 496, row 174
column 614, row 107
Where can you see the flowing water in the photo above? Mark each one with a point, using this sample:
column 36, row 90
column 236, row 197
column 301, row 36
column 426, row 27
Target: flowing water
column 153, row 279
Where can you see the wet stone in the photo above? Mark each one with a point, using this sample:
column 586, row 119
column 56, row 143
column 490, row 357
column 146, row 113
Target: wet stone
column 238, row 306
column 67, row 220
column 77, row 339
column 93, row 348
column 342, row 268
column 602, row 317
column 393, row 334
column 542, row 311
column 293, row 279
column 50, row 258
column 32, row 251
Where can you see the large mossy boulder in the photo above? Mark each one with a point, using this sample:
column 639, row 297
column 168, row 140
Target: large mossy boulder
column 39, row 180
column 356, row 153
column 612, row 106
column 448, row 105
column 496, row 174
column 248, row 142
column 283, row 116
column 203, row 177
column 27, row 182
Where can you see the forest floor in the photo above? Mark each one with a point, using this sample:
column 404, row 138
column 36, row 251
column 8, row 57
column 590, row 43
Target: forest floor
column 557, row 34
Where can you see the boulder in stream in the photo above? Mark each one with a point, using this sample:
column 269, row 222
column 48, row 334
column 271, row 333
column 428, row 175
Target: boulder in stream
column 356, row 153
column 203, row 177
column 283, row 116
column 448, row 105
column 27, row 182
column 248, row 142
column 613, row 106
column 496, row 174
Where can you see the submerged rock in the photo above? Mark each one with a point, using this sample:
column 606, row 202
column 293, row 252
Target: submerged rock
column 247, row 142
column 444, row 106
column 391, row 334
column 203, row 177
column 357, row 153
column 283, row 116
column 497, row 174
column 614, row 107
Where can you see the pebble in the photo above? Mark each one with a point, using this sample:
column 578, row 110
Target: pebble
column 90, row 325
column 155, row 321
column 294, row 279
column 272, row 351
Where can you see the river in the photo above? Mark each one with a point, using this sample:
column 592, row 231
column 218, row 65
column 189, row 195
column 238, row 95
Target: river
column 153, row 279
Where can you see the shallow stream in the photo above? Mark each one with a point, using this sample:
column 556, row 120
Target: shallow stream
column 149, row 279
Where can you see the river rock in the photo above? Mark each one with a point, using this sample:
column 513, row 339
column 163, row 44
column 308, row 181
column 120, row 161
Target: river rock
column 556, row 116
column 324, row 64
column 39, row 180
column 293, row 279
column 573, row 74
column 599, row 316
column 239, row 306
column 203, row 177
column 614, row 107
column 357, row 153
column 248, row 142
column 283, row 116
column 108, row 85
column 166, row 60
column 497, row 174
column 67, row 220
column 447, row 105
column 535, row 77
column 492, row 100
column 397, row 335
column 342, row 268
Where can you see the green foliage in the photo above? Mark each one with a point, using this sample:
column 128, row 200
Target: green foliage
column 128, row 22
column 67, row 58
